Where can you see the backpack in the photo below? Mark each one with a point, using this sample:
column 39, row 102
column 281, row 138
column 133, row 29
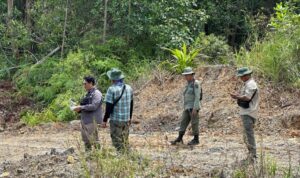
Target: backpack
column 201, row 91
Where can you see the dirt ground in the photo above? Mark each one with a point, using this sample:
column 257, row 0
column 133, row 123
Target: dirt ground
column 43, row 151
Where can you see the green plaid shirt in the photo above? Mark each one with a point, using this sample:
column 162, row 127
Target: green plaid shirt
column 121, row 110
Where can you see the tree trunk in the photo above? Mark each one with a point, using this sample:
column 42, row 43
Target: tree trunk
column 28, row 14
column 129, row 14
column 104, row 22
column 10, row 9
column 64, row 33
column 10, row 6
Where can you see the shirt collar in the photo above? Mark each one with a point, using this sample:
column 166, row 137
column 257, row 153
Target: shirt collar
column 92, row 90
column 250, row 79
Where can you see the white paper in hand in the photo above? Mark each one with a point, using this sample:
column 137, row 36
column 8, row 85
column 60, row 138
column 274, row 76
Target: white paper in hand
column 72, row 105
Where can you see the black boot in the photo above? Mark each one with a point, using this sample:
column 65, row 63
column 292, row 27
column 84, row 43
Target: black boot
column 88, row 147
column 178, row 139
column 195, row 141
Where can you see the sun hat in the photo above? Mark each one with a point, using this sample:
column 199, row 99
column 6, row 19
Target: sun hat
column 187, row 71
column 115, row 74
column 243, row 71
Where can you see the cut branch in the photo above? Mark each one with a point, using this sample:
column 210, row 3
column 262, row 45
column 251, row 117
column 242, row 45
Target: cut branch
column 48, row 55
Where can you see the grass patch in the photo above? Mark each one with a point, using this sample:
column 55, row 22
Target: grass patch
column 105, row 162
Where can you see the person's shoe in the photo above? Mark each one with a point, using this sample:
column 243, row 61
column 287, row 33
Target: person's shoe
column 178, row 139
column 195, row 141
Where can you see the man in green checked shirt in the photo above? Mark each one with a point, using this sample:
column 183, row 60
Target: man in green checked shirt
column 119, row 107
column 191, row 96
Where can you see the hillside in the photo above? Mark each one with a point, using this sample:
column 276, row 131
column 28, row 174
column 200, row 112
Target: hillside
column 160, row 103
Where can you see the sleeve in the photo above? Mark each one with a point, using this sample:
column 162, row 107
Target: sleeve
column 250, row 89
column 197, row 95
column 109, row 98
column 96, row 102
column 131, row 105
column 108, row 111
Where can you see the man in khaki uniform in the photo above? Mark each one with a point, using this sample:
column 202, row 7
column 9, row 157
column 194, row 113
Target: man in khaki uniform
column 248, row 101
column 191, row 96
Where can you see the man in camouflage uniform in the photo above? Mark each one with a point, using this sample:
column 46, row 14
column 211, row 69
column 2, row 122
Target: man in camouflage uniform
column 119, row 107
column 248, row 112
column 191, row 96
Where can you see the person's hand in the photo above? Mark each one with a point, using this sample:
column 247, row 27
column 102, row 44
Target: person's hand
column 77, row 109
column 194, row 112
column 103, row 125
column 129, row 122
column 234, row 95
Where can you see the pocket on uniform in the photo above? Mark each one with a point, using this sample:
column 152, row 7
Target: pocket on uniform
column 190, row 91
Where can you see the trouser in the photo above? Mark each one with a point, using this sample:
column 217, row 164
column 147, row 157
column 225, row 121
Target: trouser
column 248, row 134
column 119, row 132
column 89, row 135
column 186, row 119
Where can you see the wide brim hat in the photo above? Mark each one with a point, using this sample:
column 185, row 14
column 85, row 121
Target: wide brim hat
column 243, row 71
column 188, row 71
column 115, row 74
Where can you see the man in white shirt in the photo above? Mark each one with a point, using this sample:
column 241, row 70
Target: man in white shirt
column 248, row 101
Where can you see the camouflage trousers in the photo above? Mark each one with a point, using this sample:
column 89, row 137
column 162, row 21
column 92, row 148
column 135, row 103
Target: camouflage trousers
column 119, row 132
column 89, row 134
column 248, row 134
column 187, row 118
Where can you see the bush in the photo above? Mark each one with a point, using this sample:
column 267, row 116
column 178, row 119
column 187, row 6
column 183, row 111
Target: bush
column 53, row 83
column 30, row 80
column 213, row 49
column 277, row 57
column 183, row 57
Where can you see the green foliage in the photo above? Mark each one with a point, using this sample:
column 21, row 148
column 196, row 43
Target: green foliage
column 183, row 56
column 277, row 57
column 240, row 173
column 110, row 164
column 32, row 79
column 54, row 82
column 160, row 23
column 213, row 49
column 34, row 118
column 272, row 167
column 285, row 17
column 265, row 167
column 233, row 19
column 287, row 173
column 18, row 31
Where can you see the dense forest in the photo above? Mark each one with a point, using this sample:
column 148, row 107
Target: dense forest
column 47, row 46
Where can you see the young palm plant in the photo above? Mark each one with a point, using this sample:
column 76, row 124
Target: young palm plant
column 183, row 57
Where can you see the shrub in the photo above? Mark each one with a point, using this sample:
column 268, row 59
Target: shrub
column 184, row 57
column 53, row 83
column 277, row 57
column 213, row 49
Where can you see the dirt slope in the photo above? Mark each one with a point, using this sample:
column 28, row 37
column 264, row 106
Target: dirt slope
column 11, row 105
column 159, row 104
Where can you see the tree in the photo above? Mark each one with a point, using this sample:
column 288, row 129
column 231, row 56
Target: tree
column 10, row 8
column 104, row 21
